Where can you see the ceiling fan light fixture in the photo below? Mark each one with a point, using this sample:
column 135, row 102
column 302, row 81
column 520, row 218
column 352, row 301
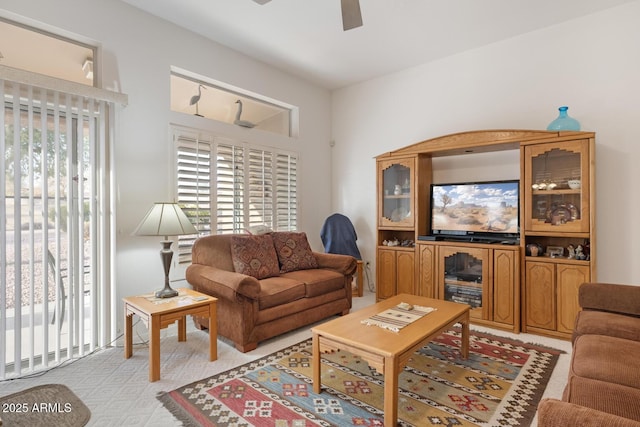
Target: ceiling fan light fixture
column 351, row 14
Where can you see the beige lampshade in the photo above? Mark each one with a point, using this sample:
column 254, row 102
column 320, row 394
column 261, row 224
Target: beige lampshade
column 165, row 219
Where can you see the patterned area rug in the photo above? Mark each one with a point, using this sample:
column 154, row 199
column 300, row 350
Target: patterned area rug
column 500, row 384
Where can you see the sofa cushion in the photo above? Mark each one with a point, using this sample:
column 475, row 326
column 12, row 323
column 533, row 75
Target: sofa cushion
column 318, row 281
column 605, row 323
column 213, row 250
column 254, row 256
column 555, row 413
column 294, row 252
column 607, row 359
column 608, row 397
column 610, row 297
column 276, row 291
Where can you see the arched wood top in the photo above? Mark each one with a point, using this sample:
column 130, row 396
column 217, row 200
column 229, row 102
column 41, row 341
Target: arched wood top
column 480, row 141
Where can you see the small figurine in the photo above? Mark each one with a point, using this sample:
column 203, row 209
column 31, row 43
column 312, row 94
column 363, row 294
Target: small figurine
column 572, row 251
column 394, row 242
column 534, row 249
column 586, row 249
column 579, row 253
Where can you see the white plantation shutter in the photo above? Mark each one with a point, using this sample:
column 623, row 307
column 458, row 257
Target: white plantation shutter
column 194, row 187
column 229, row 197
column 227, row 186
column 260, row 184
column 286, row 204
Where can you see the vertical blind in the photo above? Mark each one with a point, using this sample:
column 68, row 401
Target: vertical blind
column 54, row 225
column 226, row 186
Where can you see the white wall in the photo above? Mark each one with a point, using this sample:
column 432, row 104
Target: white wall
column 138, row 51
column 591, row 64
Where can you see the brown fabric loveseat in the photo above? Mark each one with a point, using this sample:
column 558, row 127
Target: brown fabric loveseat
column 603, row 388
column 268, row 284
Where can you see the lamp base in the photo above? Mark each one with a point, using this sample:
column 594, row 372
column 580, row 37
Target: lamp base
column 166, row 293
column 166, row 254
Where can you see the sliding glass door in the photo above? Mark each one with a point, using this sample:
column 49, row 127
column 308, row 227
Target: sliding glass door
column 51, row 232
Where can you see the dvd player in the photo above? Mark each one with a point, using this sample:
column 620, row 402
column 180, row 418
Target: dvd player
column 469, row 239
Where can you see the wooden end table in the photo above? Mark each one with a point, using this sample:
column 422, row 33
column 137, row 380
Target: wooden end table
column 158, row 313
column 386, row 351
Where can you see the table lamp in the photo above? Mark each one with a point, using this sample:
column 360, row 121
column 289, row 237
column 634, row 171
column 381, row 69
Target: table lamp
column 165, row 219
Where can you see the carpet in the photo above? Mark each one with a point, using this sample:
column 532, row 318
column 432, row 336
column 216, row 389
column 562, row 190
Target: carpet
column 500, row 384
column 43, row 406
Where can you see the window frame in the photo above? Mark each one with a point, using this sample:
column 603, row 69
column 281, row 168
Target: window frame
column 217, row 102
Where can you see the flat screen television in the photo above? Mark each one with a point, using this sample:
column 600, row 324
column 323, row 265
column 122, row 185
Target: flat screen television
column 476, row 211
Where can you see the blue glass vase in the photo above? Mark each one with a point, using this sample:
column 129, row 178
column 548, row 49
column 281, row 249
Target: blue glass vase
column 564, row 122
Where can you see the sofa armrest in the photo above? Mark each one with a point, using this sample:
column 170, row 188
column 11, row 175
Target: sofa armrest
column 556, row 413
column 222, row 282
column 344, row 264
column 609, row 297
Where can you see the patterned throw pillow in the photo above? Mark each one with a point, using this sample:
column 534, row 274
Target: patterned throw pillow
column 294, row 252
column 254, row 256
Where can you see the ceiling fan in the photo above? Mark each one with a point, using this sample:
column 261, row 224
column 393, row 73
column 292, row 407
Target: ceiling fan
column 351, row 15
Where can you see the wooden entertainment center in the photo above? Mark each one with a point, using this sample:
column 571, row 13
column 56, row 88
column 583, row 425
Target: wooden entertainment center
column 530, row 284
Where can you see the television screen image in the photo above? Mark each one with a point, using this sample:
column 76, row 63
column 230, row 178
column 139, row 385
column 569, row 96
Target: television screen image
column 475, row 209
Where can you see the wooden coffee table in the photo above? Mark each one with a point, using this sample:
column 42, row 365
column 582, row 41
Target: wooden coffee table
column 386, row 351
column 158, row 314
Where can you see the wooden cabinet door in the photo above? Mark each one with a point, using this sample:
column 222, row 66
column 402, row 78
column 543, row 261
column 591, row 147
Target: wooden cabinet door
column 426, row 271
column 505, row 271
column 569, row 278
column 463, row 276
column 386, row 266
column 396, row 192
column 550, row 204
column 405, row 276
column 540, row 300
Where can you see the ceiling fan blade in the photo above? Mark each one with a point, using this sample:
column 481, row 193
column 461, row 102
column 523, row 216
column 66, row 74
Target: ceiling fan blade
column 262, row 1
column 351, row 15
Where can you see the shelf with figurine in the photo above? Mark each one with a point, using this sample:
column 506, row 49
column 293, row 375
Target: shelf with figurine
column 561, row 250
column 406, row 243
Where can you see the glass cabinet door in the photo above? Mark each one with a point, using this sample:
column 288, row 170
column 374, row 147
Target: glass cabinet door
column 464, row 278
column 396, row 185
column 557, row 187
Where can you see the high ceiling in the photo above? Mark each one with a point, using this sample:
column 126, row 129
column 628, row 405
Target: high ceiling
column 305, row 37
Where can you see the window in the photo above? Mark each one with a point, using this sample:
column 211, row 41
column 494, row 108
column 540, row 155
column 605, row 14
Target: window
column 217, row 101
column 56, row 224
column 45, row 53
column 54, row 270
column 227, row 186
